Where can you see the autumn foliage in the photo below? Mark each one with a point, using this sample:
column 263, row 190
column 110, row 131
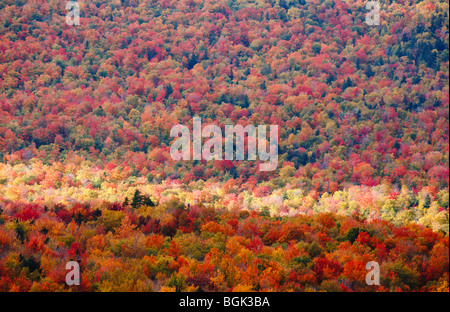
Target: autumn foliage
column 85, row 166
column 224, row 251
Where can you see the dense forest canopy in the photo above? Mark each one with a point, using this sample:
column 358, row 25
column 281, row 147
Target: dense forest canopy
column 356, row 103
column 85, row 118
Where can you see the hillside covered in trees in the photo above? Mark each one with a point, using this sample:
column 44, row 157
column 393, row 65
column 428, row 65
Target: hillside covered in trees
column 86, row 172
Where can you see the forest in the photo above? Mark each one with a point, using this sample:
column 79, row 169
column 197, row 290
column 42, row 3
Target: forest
column 363, row 156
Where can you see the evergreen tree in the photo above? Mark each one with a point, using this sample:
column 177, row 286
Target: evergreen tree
column 347, row 83
column 137, row 200
column 246, row 101
column 169, row 90
column 369, row 71
column 263, row 85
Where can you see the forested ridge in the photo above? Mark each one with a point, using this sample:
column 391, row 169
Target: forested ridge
column 85, row 167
